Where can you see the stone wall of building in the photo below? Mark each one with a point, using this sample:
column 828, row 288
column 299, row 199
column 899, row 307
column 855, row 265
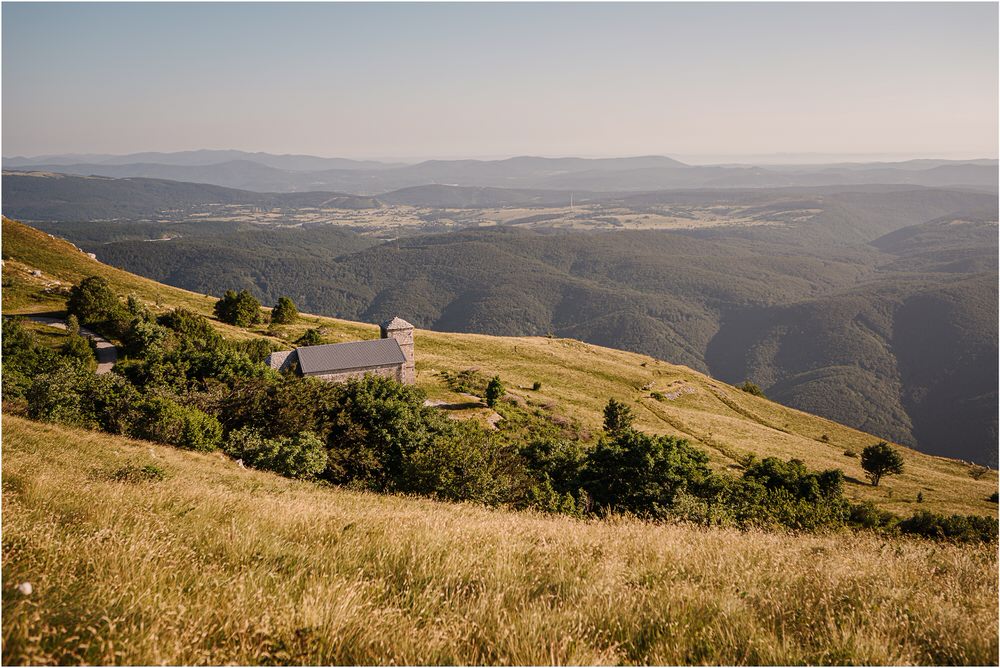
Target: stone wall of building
column 395, row 372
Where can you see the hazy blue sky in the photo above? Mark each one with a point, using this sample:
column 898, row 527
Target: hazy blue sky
column 449, row 80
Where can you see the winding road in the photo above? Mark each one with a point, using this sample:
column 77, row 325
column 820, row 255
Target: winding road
column 107, row 354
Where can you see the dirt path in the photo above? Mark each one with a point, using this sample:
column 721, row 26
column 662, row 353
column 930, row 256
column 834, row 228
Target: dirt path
column 107, row 354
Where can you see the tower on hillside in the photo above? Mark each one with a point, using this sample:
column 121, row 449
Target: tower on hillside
column 402, row 331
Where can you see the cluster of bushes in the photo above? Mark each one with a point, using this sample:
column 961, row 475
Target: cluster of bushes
column 182, row 384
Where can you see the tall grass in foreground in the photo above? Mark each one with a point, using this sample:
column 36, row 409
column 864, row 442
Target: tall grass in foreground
column 215, row 564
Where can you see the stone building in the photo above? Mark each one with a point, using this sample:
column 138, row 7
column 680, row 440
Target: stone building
column 390, row 356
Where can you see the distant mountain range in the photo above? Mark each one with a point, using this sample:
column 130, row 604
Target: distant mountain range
column 262, row 172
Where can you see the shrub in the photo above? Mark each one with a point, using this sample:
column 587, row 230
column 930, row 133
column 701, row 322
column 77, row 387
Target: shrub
column 284, row 312
column 880, row 460
column 659, row 396
column 793, row 477
column 311, row 337
column 115, row 403
column 144, row 338
column 850, row 453
column 537, row 385
column 464, row 463
column 641, row 474
column 95, row 304
column 195, row 330
column 281, row 405
column 374, row 422
column 963, row 528
column 300, row 456
column 23, row 359
column 255, row 349
column 994, row 497
column 62, row 395
column 560, row 461
column 752, row 388
column 79, row 350
column 617, row 417
column 239, row 308
column 868, row 516
column 494, row 391
column 163, row 420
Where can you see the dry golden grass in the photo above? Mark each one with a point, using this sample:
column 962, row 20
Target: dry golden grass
column 216, row 564
column 577, row 380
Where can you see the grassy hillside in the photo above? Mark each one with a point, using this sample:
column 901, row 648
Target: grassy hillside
column 576, row 380
column 199, row 561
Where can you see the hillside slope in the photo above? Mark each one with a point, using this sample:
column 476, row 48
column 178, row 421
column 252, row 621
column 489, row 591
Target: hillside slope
column 198, row 561
column 576, row 380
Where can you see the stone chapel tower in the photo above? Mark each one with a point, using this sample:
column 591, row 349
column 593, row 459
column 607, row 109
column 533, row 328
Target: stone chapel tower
column 402, row 331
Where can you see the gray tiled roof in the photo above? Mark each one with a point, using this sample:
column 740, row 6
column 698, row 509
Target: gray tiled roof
column 346, row 356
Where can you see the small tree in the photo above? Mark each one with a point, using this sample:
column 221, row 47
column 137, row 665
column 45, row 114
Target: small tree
column 93, row 302
column 238, row 308
column 284, row 312
column 494, row 391
column 311, row 337
column 618, row 417
column 753, row 388
column 881, row 460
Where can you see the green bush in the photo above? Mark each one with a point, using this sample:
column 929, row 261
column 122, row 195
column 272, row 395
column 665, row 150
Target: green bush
column 115, row 403
column 559, row 461
column 868, row 516
column 165, row 421
column 255, row 349
column 239, row 308
column 537, row 385
column 641, row 474
column 300, row 456
column 96, row 305
column 752, row 388
column 793, row 477
column 23, row 359
column 284, row 312
column 464, row 463
column 144, row 338
column 494, row 391
column 962, row 528
column 311, row 337
column 194, row 329
column 62, row 395
column 374, row 423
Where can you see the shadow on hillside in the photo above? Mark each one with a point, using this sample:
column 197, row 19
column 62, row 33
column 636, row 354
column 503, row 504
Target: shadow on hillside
column 465, row 405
